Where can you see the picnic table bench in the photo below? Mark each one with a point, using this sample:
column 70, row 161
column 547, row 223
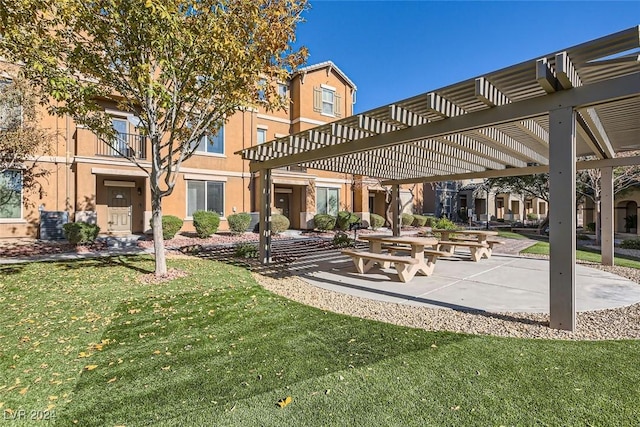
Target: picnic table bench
column 491, row 243
column 478, row 250
column 364, row 260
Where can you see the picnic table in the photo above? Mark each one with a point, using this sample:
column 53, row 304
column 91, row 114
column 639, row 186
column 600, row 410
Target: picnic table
column 420, row 259
column 476, row 240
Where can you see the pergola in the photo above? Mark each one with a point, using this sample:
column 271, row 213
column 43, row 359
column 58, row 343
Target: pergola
column 534, row 117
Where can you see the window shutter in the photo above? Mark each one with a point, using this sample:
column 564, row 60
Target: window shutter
column 337, row 105
column 317, row 99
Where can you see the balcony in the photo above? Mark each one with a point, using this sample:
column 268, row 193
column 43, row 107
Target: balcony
column 125, row 144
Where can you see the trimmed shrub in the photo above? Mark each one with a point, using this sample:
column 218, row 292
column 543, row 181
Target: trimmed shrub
column 245, row 250
column 324, row 222
column 419, row 220
column 80, row 232
column 377, row 221
column 407, row 219
column 532, row 217
column 206, row 223
column 170, row 226
column 431, row 221
column 279, row 223
column 591, row 226
column 445, row 224
column 238, row 223
column 345, row 219
column 630, row 244
column 341, row 240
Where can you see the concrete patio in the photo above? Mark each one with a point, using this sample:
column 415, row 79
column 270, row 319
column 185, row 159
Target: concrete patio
column 504, row 283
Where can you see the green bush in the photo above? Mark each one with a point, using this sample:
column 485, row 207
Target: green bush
column 532, row 217
column 431, row 221
column 582, row 237
column 419, row 220
column 80, row 232
column 324, row 222
column 630, row 244
column 341, row 240
column 245, row 250
column 376, row 220
column 407, row 219
column 206, row 223
column 238, row 223
column 279, row 223
column 591, row 226
column 345, row 219
column 445, row 224
column 170, row 226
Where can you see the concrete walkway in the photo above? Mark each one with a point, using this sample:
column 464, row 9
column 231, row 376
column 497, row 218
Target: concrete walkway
column 504, row 283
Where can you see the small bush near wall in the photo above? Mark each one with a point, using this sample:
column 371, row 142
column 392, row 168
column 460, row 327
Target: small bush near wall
column 407, row 219
column 206, row 223
column 279, row 223
column 342, row 240
column 377, row 221
column 345, row 219
column 431, row 221
column 591, row 226
column 170, row 226
column 80, row 232
column 445, row 224
column 630, row 244
column 238, row 223
column 324, row 222
column 419, row 220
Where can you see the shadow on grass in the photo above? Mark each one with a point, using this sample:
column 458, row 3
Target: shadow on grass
column 128, row 261
column 12, row 268
column 174, row 364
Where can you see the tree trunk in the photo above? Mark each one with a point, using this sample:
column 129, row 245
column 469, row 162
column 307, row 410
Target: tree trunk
column 158, row 240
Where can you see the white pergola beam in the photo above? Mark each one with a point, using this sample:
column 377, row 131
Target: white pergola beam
column 566, row 73
column 347, row 132
column 474, row 146
column 406, row 117
column 545, row 76
column 442, row 106
column 590, row 122
column 529, row 170
column 489, row 94
column 516, row 148
column 375, row 126
column 535, row 131
column 613, row 89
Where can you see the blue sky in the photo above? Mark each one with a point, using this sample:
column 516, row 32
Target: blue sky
column 393, row 50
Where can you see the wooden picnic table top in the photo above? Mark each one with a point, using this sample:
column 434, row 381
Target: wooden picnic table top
column 408, row 240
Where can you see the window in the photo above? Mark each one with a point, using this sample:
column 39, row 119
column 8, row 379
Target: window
column 328, row 200
column 328, row 99
column 120, row 145
column 282, row 90
column 212, row 143
column 11, row 194
column 205, row 196
column 262, row 136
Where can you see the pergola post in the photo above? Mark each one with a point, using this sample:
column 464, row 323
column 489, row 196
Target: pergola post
column 395, row 209
column 606, row 215
column 265, row 216
column 562, row 224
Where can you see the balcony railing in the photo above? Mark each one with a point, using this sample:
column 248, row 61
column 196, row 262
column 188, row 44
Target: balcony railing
column 125, row 144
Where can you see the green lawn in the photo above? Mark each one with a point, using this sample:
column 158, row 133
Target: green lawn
column 88, row 342
column 542, row 248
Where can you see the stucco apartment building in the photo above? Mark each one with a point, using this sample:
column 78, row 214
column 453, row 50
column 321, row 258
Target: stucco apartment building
column 90, row 182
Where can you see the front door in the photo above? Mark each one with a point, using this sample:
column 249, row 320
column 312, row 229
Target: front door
column 119, row 209
column 283, row 203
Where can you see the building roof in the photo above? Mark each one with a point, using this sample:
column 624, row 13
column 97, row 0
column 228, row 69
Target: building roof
column 326, row 64
column 497, row 124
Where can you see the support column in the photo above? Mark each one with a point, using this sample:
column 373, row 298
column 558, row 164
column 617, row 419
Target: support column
column 562, row 224
column 265, row 216
column 395, row 209
column 606, row 215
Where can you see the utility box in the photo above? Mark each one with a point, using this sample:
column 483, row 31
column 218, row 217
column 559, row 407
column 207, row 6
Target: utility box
column 51, row 223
